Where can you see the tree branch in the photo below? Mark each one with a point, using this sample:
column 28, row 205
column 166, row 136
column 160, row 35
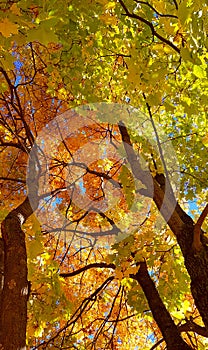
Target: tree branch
column 79, row 311
column 14, row 94
column 191, row 326
column 165, row 202
column 155, row 10
column 87, row 267
column 181, row 225
column 157, row 344
column 150, row 25
column 202, row 216
column 12, row 144
column 161, row 315
column 197, row 245
column 12, row 179
column 176, row 4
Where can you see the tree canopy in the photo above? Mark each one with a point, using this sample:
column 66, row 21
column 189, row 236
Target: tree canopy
column 103, row 172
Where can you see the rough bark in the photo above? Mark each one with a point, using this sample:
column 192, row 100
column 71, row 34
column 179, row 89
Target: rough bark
column 14, row 296
column 181, row 225
column 1, row 268
column 13, row 316
column 161, row 315
column 197, row 266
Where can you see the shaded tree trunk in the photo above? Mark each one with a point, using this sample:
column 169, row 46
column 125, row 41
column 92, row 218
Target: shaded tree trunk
column 14, row 296
column 179, row 222
column 1, row 269
column 161, row 315
column 197, row 266
column 13, row 316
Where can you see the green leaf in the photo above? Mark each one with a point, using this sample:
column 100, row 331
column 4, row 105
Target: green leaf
column 128, row 184
column 44, row 33
column 35, row 248
column 186, row 54
column 7, row 61
column 183, row 11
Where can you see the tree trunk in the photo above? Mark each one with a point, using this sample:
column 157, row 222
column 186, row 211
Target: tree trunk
column 181, row 225
column 14, row 296
column 1, row 269
column 197, row 266
column 13, row 316
column 161, row 315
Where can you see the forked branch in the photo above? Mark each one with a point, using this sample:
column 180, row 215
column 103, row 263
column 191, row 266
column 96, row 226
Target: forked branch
column 197, row 245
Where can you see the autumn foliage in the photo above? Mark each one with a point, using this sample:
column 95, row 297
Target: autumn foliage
column 103, row 175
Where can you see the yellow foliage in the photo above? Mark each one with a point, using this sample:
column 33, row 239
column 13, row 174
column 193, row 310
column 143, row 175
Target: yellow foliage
column 7, row 28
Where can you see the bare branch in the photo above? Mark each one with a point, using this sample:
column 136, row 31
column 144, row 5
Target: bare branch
column 79, row 311
column 12, row 179
column 176, row 4
column 87, row 267
column 12, row 144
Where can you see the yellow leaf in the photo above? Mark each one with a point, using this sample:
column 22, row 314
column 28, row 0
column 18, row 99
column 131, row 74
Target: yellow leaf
column 8, row 137
column 102, row 2
column 35, row 249
column 178, row 314
column 40, row 330
column 108, row 164
column 199, row 71
column 108, row 19
column 161, row 6
column 118, row 274
column 14, row 9
column 131, row 271
column 186, row 306
column 7, row 28
column 205, row 140
column 62, row 93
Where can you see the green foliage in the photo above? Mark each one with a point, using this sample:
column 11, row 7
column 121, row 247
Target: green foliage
column 128, row 185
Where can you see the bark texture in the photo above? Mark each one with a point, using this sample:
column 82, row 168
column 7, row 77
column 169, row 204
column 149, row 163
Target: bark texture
column 161, row 315
column 14, row 296
column 13, row 317
column 181, row 225
column 1, row 269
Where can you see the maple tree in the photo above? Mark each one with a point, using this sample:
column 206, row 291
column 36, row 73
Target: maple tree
column 103, row 235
